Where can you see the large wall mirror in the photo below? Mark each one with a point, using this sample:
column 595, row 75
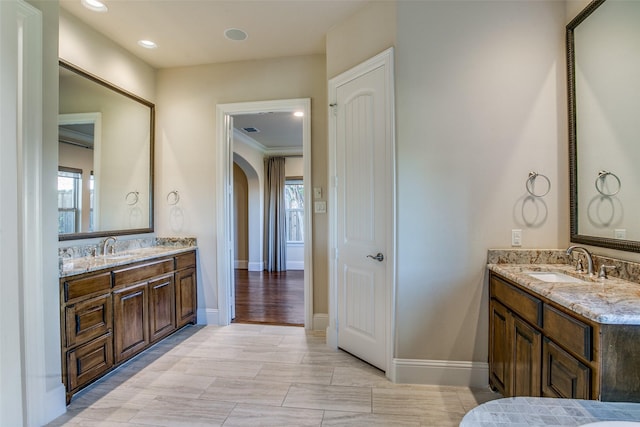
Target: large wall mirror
column 603, row 58
column 105, row 158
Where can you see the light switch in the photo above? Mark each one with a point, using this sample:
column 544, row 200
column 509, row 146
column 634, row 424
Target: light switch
column 317, row 192
column 320, row 207
column 516, row 237
column 620, row 233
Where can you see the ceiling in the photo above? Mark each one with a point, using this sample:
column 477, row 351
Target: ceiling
column 191, row 32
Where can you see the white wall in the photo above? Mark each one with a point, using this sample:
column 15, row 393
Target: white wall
column 240, row 217
column 478, row 107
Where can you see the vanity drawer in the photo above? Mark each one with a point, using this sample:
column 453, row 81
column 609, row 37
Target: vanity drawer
column 89, row 361
column 139, row 273
column 87, row 320
column 185, row 260
column 94, row 284
column 575, row 335
column 525, row 305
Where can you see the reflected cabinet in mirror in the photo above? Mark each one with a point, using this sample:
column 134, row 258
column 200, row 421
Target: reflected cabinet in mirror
column 603, row 59
column 105, row 158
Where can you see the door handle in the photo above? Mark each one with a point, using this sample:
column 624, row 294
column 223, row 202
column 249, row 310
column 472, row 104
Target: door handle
column 378, row 257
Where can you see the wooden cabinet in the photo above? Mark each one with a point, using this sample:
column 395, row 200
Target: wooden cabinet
column 110, row 315
column 186, row 297
column 515, row 353
column 131, row 316
column 539, row 348
column 162, row 307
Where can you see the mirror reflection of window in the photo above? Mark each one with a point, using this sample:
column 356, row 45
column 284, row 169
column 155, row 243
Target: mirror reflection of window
column 294, row 200
column 69, row 196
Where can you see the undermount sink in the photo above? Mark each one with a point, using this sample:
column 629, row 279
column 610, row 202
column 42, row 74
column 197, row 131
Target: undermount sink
column 554, row 277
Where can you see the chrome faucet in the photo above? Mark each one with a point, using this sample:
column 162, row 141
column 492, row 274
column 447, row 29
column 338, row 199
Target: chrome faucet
column 105, row 245
column 587, row 254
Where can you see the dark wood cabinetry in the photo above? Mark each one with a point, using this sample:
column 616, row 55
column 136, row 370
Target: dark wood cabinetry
column 538, row 348
column 186, row 298
column 111, row 315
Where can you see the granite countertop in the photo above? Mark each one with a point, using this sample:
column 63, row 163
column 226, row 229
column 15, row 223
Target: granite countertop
column 540, row 411
column 606, row 301
column 74, row 266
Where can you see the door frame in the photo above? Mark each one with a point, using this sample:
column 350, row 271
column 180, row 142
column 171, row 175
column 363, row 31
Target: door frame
column 224, row 207
column 383, row 59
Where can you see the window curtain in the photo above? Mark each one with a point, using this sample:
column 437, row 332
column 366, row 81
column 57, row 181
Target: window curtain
column 275, row 239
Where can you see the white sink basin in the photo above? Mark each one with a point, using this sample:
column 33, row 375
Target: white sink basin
column 554, row 277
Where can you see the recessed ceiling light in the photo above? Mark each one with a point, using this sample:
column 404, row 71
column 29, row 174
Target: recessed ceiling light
column 148, row 44
column 95, row 5
column 235, row 34
column 298, row 114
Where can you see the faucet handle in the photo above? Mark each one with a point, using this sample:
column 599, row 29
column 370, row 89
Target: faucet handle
column 602, row 274
column 579, row 266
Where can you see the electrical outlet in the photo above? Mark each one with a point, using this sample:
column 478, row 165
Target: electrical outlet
column 516, row 237
column 320, row 207
column 620, row 233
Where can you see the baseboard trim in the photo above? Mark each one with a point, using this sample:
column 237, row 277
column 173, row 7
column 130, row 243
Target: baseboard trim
column 295, row 265
column 440, row 372
column 55, row 403
column 241, row 264
column 320, row 321
column 208, row 316
column 255, row 266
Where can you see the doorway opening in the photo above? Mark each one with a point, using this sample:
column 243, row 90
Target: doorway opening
column 247, row 291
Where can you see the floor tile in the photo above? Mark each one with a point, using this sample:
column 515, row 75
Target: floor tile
column 248, row 375
column 267, row 416
column 337, row 398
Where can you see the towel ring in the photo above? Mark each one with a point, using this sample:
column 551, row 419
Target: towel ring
column 173, row 197
column 602, row 175
column 132, row 198
column 530, row 184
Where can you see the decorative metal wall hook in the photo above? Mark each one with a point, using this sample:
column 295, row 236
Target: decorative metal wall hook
column 132, row 198
column 530, row 184
column 602, row 176
column 173, row 197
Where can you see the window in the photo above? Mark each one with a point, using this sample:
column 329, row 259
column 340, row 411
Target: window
column 69, row 185
column 294, row 200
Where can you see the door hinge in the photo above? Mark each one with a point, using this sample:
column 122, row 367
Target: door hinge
column 334, row 108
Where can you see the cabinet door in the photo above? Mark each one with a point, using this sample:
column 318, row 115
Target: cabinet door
column 186, row 296
column 89, row 361
column 527, row 356
column 87, row 320
column 162, row 318
column 131, row 321
column 499, row 348
column 563, row 375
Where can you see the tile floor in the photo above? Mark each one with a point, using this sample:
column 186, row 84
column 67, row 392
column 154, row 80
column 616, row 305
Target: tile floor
column 259, row 375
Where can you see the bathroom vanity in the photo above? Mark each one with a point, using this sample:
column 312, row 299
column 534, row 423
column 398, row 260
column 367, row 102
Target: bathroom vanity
column 112, row 308
column 570, row 337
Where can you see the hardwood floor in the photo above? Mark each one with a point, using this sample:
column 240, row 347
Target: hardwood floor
column 270, row 298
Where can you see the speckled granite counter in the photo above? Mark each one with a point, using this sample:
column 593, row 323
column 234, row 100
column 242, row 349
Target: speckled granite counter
column 537, row 411
column 74, row 260
column 606, row 301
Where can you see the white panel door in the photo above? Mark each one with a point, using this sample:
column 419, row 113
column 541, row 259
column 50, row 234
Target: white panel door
column 363, row 215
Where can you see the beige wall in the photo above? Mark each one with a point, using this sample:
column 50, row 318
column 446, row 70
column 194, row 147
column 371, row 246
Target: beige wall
column 365, row 34
column 186, row 151
column 478, row 107
column 480, row 101
column 241, row 212
column 88, row 49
